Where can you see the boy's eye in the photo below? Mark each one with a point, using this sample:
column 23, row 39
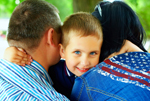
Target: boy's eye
column 92, row 53
column 77, row 52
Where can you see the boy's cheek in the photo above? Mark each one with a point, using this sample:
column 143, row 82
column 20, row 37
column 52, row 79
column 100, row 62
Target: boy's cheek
column 70, row 63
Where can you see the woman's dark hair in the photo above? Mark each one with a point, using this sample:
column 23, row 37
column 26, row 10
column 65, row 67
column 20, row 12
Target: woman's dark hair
column 119, row 23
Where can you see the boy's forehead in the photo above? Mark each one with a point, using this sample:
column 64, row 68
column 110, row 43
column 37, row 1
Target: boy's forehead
column 85, row 44
column 78, row 39
column 81, row 33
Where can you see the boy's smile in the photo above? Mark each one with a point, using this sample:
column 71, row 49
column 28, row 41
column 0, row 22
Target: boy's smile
column 83, row 69
column 81, row 53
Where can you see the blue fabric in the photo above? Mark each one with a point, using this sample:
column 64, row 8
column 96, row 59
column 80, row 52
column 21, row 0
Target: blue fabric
column 125, row 77
column 29, row 83
column 62, row 78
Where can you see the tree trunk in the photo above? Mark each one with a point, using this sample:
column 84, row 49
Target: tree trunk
column 84, row 5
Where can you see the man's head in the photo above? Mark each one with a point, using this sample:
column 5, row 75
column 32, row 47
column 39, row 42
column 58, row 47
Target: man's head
column 29, row 22
column 81, row 42
column 35, row 26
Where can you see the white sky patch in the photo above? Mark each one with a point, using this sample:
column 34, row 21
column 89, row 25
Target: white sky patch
column 17, row 1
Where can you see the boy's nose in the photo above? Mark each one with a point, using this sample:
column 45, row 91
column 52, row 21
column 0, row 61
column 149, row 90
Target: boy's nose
column 85, row 62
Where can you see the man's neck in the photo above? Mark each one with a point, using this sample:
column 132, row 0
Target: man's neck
column 41, row 59
column 40, row 55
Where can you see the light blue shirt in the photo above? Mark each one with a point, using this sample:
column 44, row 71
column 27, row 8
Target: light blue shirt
column 29, row 83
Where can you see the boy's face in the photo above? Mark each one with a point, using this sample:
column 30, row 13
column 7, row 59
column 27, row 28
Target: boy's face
column 82, row 53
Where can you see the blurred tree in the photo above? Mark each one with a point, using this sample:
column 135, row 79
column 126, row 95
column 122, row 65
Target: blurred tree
column 84, row 5
column 141, row 7
column 7, row 6
column 64, row 7
column 67, row 7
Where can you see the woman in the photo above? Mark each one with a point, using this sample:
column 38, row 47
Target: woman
column 119, row 23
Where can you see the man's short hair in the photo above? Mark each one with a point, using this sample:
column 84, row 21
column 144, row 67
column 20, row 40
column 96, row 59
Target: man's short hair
column 29, row 21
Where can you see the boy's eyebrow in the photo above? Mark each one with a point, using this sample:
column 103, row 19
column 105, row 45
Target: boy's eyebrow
column 76, row 49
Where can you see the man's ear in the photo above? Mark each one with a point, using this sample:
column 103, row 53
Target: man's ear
column 50, row 37
column 62, row 52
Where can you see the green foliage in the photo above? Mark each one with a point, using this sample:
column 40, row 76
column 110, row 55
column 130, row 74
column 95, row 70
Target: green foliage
column 7, row 7
column 141, row 7
column 64, row 6
column 4, row 32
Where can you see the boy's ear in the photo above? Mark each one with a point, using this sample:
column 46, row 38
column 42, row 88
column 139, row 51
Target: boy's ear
column 50, row 37
column 62, row 53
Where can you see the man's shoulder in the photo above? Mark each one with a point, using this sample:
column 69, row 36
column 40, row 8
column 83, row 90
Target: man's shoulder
column 12, row 92
column 28, row 80
column 4, row 62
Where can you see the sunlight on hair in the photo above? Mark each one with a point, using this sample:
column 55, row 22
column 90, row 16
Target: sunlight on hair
column 109, row 0
column 112, row 0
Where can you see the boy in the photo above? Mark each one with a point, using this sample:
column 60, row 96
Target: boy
column 81, row 44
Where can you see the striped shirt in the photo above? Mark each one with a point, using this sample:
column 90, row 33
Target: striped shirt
column 29, row 83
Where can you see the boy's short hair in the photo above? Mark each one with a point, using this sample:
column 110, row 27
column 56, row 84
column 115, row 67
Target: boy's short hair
column 83, row 24
column 29, row 21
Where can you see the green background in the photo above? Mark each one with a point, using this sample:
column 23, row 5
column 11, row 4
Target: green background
column 65, row 7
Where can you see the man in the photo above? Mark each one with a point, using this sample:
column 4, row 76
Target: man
column 35, row 27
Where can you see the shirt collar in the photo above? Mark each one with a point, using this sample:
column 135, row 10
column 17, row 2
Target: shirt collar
column 34, row 66
column 68, row 73
column 39, row 69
